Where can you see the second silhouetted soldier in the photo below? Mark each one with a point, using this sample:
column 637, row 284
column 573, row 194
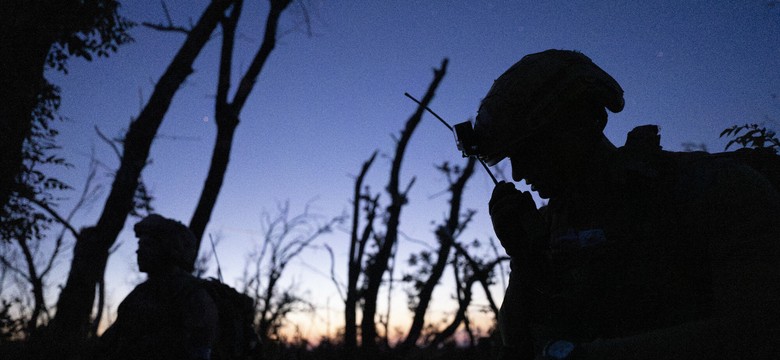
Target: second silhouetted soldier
column 169, row 316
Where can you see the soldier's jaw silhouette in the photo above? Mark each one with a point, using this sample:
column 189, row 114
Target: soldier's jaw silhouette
column 152, row 256
column 547, row 163
column 538, row 178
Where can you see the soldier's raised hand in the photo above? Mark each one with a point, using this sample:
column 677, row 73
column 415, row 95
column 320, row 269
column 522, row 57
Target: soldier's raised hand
column 516, row 221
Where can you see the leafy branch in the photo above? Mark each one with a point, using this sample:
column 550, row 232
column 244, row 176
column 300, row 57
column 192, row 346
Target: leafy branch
column 754, row 136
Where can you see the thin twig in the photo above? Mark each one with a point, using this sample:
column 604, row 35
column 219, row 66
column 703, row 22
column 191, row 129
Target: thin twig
column 216, row 258
column 109, row 142
column 56, row 216
column 166, row 28
column 339, row 286
column 167, row 13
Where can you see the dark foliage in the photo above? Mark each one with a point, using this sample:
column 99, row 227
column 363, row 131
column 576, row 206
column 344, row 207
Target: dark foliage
column 327, row 349
column 23, row 215
column 69, row 28
column 87, row 29
column 10, row 326
column 38, row 35
column 755, row 136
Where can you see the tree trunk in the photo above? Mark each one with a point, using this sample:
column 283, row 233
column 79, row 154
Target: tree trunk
column 357, row 247
column 378, row 267
column 464, row 300
column 90, row 254
column 481, row 273
column 227, row 114
column 445, row 246
column 266, row 318
column 214, row 179
column 37, row 286
column 24, row 45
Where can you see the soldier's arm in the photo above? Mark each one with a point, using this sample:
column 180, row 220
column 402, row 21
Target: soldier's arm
column 200, row 325
column 740, row 215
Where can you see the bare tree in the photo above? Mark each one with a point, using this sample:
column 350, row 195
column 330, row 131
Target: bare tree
column 227, row 112
column 357, row 248
column 468, row 271
column 446, row 235
column 34, row 264
column 285, row 237
column 378, row 264
column 463, row 293
column 373, row 266
column 483, row 271
column 37, row 36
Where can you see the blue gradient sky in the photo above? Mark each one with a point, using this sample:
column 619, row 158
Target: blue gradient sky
column 324, row 103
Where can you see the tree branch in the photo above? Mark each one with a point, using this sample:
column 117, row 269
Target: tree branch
column 167, row 28
column 379, row 266
column 55, row 215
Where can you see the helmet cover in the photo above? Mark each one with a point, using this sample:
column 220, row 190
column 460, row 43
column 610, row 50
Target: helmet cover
column 525, row 98
column 178, row 238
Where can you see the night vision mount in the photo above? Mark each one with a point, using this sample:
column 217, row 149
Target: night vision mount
column 465, row 137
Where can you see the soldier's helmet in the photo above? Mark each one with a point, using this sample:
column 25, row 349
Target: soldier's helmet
column 526, row 98
column 178, row 238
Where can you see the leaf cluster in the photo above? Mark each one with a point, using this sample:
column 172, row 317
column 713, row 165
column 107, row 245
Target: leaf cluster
column 10, row 326
column 754, row 136
column 420, row 266
column 76, row 28
column 85, row 29
column 22, row 216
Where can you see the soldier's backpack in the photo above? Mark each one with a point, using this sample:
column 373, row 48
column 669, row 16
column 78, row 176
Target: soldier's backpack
column 763, row 160
column 645, row 142
column 237, row 338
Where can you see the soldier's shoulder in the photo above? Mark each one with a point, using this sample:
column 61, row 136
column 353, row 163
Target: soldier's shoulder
column 721, row 182
column 642, row 156
column 719, row 169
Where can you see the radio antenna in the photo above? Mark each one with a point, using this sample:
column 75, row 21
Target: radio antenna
column 453, row 131
column 430, row 111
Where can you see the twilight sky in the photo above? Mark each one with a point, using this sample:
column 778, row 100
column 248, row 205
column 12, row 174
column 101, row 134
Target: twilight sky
column 324, row 103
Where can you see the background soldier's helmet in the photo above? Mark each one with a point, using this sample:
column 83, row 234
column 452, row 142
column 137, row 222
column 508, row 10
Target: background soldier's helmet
column 179, row 239
column 526, row 98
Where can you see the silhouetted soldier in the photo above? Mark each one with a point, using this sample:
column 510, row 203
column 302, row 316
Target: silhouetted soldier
column 640, row 253
column 169, row 316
